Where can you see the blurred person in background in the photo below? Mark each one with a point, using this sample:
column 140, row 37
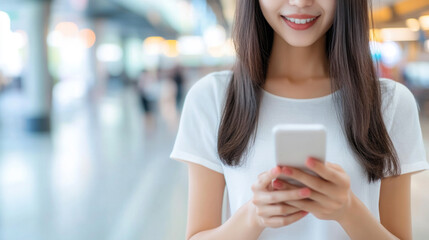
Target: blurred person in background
column 179, row 81
column 301, row 61
column 168, row 100
column 149, row 92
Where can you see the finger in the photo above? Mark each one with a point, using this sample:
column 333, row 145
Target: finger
column 311, row 181
column 322, row 199
column 337, row 174
column 282, row 185
column 326, row 171
column 271, row 186
column 276, row 222
column 265, row 178
column 276, row 210
column 336, row 166
column 281, row 196
column 306, row 205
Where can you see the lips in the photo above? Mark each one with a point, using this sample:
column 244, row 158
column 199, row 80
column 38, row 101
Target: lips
column 301, row 16
column 300, row 21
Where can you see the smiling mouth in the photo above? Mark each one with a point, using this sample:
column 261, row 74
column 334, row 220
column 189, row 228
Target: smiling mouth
column 300, row 20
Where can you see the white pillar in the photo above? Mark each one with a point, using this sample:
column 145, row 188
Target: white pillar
column 37, row 81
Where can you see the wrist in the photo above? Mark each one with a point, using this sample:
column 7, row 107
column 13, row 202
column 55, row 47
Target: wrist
column 252, row 218
column 359, row 223
column 349, row 213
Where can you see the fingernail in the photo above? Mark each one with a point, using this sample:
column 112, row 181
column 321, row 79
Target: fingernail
column 287, row 171
column 305, row 192
column 277, row 184
column 275, row 170
column 310, row 162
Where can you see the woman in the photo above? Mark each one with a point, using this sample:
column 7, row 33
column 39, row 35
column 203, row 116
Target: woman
column 300, row 61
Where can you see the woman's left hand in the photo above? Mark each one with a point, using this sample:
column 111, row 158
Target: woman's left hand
column 329, row 196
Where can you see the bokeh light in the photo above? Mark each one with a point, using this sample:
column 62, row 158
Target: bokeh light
column 88, row 36
column 424, row 22
column 170, row 48
column 67, row 29
column 109, row 53
column 391, row 53
column 413, row 24
column 4, row 21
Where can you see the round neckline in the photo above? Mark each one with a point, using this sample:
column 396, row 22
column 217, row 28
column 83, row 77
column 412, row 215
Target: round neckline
column 302, row 100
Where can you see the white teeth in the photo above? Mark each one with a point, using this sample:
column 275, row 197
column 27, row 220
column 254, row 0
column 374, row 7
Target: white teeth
column 300, row 21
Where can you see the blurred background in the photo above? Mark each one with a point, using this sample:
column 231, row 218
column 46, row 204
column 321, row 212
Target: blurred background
column 90, row 99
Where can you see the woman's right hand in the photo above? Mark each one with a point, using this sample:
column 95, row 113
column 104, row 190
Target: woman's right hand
column 268, row 207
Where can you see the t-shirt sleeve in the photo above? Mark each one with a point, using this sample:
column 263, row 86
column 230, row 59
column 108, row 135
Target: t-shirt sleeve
column 405, row 132
column 196, row 139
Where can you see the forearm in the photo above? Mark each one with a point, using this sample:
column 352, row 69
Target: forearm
column 359, row 223
column 240, row 226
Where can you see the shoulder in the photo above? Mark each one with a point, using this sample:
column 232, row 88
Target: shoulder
column 395, row 86
column 208, row 93
column 397, row 101
column 396, row 93
column 215, row 81
column 211, row 87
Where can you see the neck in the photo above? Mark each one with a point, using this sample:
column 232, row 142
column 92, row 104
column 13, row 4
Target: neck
column 297, row 64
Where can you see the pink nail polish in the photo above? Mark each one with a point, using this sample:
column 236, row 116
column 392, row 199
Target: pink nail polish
column 275, row 170
column 287, row 171
column 305, row 192
column 278, row 184
column 310, row 162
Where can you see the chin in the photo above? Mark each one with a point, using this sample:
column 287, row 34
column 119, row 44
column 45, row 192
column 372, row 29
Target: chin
column 299, row 42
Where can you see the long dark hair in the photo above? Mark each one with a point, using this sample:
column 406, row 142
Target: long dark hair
column 351, row 69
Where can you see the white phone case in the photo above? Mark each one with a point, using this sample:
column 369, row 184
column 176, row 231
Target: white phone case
column 294, row 143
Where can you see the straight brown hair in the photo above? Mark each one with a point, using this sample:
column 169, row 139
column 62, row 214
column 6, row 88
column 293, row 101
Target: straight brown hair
column 351, row 69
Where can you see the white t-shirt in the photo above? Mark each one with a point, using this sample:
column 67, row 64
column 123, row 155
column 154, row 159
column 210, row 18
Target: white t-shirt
column 196, row 142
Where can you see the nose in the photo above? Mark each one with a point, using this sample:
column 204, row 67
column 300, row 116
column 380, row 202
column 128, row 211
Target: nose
column 301, row 3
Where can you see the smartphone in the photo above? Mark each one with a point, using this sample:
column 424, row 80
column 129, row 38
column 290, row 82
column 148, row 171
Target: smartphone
column 294, row 143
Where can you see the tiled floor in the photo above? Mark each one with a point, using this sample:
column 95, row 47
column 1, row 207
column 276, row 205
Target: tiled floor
column 102, row 174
